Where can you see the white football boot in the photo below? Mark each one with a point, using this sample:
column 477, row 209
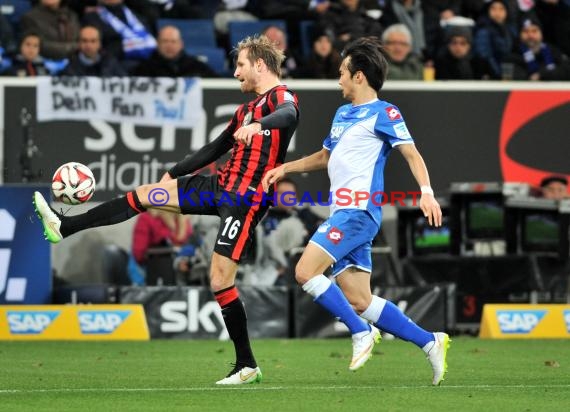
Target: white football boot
column 241, row 376
column 437, row 356
column 48, row 217
column 362, row 347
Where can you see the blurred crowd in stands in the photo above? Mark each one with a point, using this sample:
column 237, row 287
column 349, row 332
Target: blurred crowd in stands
column 424, row 39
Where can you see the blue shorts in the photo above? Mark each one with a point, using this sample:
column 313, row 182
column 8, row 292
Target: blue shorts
column 347, row 237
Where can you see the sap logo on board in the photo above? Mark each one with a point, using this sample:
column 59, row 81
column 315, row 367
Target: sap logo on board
column 101, row 322
column 27, row 322
column 519, row 321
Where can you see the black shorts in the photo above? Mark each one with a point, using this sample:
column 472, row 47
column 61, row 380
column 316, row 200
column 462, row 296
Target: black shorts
column 201, row 195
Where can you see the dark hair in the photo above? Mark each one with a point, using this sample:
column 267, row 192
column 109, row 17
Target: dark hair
column 553, row 178
column 29, row 33
column 368, row 56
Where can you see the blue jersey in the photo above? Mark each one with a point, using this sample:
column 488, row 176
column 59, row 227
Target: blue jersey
column 360, row 140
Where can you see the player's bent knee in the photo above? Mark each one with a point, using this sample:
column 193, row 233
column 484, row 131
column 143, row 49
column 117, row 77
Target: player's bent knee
column 302, row 275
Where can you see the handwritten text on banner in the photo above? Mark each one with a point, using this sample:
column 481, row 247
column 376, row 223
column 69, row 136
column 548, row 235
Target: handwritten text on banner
column 139, row 100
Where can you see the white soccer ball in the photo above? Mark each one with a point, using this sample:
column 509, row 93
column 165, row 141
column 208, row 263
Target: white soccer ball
column 73, row 183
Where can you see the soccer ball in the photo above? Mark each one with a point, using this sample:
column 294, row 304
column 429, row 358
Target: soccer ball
column 73, row 183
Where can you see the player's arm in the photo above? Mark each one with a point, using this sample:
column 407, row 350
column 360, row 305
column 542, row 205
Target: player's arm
column 203, row 157
column 430, row 207
column 316, row 161
column 285, row 115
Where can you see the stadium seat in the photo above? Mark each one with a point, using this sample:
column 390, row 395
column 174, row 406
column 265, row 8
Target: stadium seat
column 13, row 10
column 195, row 32
column 306, row 34
column 238, row 30
column 215, row 57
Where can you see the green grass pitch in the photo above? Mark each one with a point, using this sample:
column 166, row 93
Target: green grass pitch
column 299, row 375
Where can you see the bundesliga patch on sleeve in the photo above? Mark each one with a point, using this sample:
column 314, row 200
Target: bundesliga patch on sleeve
column 393, row 113
column 401, row 131
column 288, row 97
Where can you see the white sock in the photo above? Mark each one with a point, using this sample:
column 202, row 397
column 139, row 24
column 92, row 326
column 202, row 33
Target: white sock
column 373, row 312
column 317, row 286
column 429, row 346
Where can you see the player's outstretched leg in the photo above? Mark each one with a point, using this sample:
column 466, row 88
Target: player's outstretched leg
column 57, row 226
column 389, row 318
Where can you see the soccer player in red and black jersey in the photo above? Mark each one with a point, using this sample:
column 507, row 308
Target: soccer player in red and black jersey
column 259, row 134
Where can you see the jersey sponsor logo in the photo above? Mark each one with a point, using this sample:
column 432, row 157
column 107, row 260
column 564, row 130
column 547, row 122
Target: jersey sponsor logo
column 337, row 130
column 567, row 320
column 335, row 235
column 28, row 322
column 401, row 131
column 101, row 322
column 393, row 113
column 519, row 321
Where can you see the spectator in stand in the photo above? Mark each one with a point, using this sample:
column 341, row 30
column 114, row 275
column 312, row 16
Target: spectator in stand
column 456, row 61
column 324, row 61
column 435, row 12
column 170, row 59
column 535, row 59
column 157, row 228
column 233, row 10
column 90, row 60
column 170, row 9
column 29, row 62
column 494, row 36
column 125, row 34
column 56, row 24
column 347, row 20
column 554, row 16
column 409, row 13
column 554, row 187
column 403, row 63
column 278, row 37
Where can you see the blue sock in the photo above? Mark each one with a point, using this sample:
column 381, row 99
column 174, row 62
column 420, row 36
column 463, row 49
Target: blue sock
column 330, row 297
column 389, row 318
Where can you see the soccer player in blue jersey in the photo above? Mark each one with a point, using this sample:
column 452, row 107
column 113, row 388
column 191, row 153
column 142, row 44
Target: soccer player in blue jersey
column 362, row 135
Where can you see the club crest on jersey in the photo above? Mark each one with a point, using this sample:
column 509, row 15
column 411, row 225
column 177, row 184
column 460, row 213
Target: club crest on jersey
column 393, row 113
column 247, row 119
column 335, row 235
column 363, row 113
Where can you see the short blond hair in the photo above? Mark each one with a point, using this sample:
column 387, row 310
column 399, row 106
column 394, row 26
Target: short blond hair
column 260, row 47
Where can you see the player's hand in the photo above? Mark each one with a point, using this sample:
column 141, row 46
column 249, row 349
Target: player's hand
column 165, row 177
column 273, row 176
column 245, row 133
column 431, row 209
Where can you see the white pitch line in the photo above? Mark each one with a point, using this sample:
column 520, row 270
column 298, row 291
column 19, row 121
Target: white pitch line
column 276, row 388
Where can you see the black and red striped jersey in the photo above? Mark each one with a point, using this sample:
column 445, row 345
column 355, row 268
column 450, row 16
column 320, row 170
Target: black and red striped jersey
column 247, row 164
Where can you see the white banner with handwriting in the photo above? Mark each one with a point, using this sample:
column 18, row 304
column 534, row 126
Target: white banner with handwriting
column 139, row 100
